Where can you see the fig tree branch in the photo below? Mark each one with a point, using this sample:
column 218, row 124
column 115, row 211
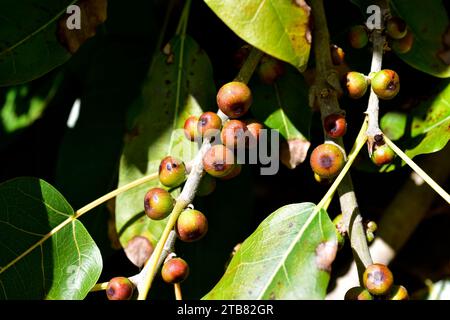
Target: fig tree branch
column 325, row 91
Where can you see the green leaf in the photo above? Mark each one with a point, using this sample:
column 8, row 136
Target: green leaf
column 66, row 266
column 279, row 28
column 281, row 108
column 179, row 82
column 430, row 126
column 289, row 256
column 24, row 104
column 34, row 38
column 428, row 21
column 393, row 124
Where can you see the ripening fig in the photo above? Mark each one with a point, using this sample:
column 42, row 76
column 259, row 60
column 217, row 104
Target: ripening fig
column 378, row 279
column 254, row 128
column 337, row 55
column 403, row 45
column 209, row 123
column 172, row 172
column 358, row 37
column 192, row 225
column 190, row 128
column 119, row 288
column 234, row 99
column 358, row 293
column 398, row 293
column 396, row 28
column 382, row 155
column 327, row 160
column 175, row 270
column 218, row 161
column 158, row 203
column 234, row 173
column 356, row 84
column 233, row 133
column 207, row 185
column 386, row 84
column 335, row 125
column 270, row 69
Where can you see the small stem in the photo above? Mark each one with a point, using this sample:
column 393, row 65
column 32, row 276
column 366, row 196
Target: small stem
column 436, row 187
column 324, row 91
column 177, row 289
column 378, row 41
column 359, row 143
column 114, row 193
column 245, row 73
column 99, row 287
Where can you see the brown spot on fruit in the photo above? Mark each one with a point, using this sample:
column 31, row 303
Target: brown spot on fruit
column 325, row 255
column 93, row 13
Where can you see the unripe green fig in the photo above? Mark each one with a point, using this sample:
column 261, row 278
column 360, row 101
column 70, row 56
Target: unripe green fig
column 382, row 155
column 158, row 203
column 358, row 37
column 386, row 84
column 337, row 55
column 396, row 28
column 358, row 293
column 403, row 45
column 398, row 293
column 192, row 225
column 356, row 84
column 172, row 172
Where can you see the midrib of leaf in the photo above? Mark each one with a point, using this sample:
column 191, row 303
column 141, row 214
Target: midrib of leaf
column 280, row 106
column 37, row 31
column 38, row 243
column 281, row 264
column 178, row 94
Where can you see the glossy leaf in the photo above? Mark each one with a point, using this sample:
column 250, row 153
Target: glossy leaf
column 170, row 95
column 24, row 104
column 66, row 266
column 34, row 38
column 286, row 110
column 279, row 28
column 430, row 127
column 428, row 30
column 289, row 256
column 393, row 125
